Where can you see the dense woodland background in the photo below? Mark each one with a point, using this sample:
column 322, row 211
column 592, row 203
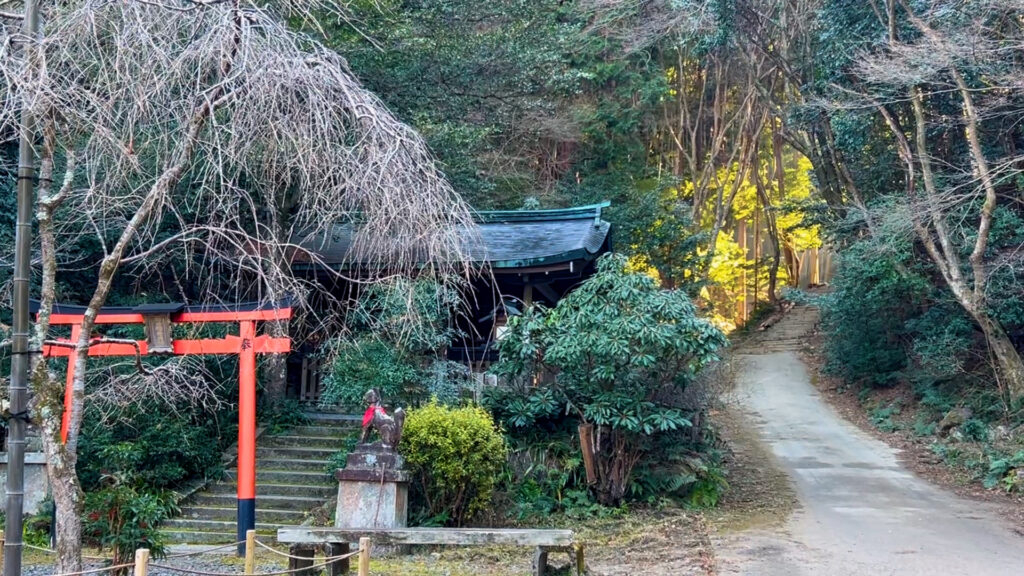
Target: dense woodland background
column 731, row 136
column 887, row 130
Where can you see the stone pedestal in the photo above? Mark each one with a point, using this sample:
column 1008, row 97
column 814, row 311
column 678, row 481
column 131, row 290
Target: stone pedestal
column 373, row 489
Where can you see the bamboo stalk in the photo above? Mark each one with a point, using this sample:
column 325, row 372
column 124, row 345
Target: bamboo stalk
column 20, row 323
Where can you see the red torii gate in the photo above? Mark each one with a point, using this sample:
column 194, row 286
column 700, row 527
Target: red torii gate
column 158, row 319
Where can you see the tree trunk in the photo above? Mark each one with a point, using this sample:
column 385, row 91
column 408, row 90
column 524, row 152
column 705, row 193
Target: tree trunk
column 1009, row 367
column 67, row 500
column 792, row 264
column 60, row 469
column 615, row 462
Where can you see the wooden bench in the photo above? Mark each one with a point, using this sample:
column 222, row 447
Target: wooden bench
column 304, row 542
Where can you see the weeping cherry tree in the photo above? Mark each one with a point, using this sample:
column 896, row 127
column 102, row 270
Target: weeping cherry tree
column 207, row 132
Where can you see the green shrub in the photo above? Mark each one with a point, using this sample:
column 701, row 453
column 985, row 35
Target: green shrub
column 1004, row 471
column 681, row 472
column 456, row 456
column 974, row 429
column 881, row 417
column 864, row 317
column 122, row 517
column 709, row 486
column 395, row 342
column 365, row 362
column 544, row 475
column 942, row 344
column 339, row 459
column 282, row 415
column 37, row 527
column 160, row 450
column 924, row 426
column 627, row 357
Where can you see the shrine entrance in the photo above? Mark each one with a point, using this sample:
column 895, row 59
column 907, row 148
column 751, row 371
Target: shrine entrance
column 159, row 320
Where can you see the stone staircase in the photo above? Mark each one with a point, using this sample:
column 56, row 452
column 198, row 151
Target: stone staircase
column 292, row 480
column 788, row 335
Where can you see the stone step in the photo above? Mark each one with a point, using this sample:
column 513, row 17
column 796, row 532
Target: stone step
column 339, row 430
column 328, row 442
column 229, row 513
column 215, row 526
column 297, row 464
column 352, row 421
column 276, row 502
column 285, row 476
column 322, row 490
column 293, row 453
column 202, row 536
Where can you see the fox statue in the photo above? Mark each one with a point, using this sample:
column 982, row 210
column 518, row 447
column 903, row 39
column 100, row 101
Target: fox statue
column 376, row 418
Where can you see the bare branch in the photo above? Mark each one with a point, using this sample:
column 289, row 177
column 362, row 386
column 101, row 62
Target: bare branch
column 180, row 385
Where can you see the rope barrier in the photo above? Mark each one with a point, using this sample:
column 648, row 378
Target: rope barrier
column 277, row 573
column 326, row 561
column 98, row 570
column 50, row 551
column 204, row 551
column 279, row 553
column 290, row 556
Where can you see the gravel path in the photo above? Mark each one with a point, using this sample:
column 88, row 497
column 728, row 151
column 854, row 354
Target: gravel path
column 860, row 511
column 219, row 562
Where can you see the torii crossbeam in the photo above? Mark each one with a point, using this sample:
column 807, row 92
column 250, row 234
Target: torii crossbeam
column 246, row 345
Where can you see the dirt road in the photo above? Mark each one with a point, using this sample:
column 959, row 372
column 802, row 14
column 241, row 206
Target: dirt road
column 860, row 512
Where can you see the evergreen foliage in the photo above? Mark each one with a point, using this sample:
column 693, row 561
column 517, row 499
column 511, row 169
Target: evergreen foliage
column 624, row 354
column 455, row 456
column 122, row 516
column 396, row 336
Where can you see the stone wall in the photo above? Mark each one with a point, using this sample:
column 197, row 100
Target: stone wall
column 37, row 486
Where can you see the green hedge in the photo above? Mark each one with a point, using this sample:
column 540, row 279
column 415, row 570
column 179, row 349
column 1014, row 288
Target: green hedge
column 456, row 456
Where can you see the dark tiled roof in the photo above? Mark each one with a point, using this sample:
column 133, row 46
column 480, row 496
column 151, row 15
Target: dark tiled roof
column 508, row 238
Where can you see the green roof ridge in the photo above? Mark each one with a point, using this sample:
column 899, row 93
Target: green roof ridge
column 547, row 215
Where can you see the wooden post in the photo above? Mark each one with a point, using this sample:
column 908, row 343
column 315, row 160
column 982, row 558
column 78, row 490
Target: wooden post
column 141, row 562
column 250, row 552
column 364, row 557
column 2, row 544
column 581, row 566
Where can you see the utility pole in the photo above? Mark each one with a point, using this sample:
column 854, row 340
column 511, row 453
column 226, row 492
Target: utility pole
column 20, row 333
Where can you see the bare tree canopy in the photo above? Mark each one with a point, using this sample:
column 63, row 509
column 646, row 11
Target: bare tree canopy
column 643, row 23
column 207, row 132
column 263, row 133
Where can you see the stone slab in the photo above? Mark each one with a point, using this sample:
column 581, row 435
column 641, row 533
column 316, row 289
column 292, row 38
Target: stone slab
column 544, row 538
column 373, row 456
column 370, row 475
